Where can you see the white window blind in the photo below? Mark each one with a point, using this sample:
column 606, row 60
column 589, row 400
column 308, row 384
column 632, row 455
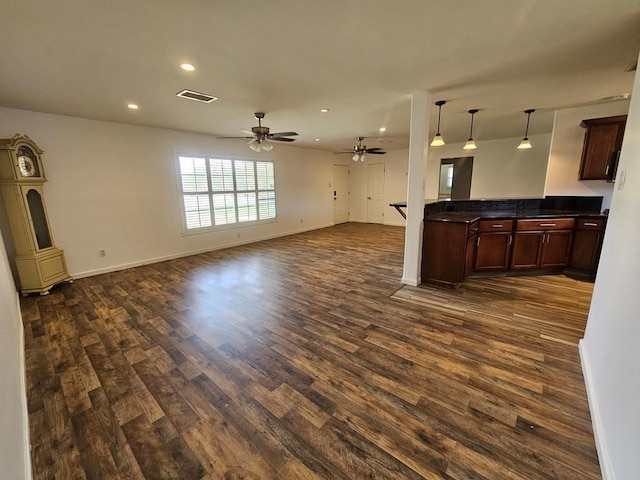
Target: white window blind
column 217, row 191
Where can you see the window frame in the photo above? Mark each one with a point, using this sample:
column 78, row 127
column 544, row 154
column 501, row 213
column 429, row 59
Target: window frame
column 210, row 192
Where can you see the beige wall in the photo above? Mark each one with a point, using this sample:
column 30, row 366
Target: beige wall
column 500, row 170
column 610, row 353
column 566, row 152
column 14, row 441
column 114, row 187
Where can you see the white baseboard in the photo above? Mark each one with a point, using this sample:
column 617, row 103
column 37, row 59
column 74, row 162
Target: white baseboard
column 25, row 410
column 410, row 281
column 598, row 432
column 123, row 266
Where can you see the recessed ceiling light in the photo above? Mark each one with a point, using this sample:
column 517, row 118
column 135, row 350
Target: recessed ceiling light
column 187, row 67
column 132, row 106
column 317, row 139
column 324, row 110
column 383, row 129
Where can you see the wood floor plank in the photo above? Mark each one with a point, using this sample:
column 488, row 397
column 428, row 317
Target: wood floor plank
column 303, row 357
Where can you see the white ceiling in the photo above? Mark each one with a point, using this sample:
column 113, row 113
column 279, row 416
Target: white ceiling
column 362, row 59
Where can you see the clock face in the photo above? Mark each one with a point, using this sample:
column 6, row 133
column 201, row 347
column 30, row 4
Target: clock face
column 27, row 168
column 27, row 163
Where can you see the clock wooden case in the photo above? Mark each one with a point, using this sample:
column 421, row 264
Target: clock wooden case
column 39, row 262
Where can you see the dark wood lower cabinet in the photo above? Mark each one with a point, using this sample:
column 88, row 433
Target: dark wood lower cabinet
column 526, row 250
column 493, row 249
column 445, row 246
column 452, row 251
column 556, row 249
column 542, row 243
column 587, row 244
column 541, row 249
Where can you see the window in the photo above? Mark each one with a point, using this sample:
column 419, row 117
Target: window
column 220, row 191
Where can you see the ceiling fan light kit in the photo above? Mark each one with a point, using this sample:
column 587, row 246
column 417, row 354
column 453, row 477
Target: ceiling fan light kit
column 525, row 143
column 438, row 140
column 360, row 151
column 261, row 139
column 260, row 145
column 471, row 145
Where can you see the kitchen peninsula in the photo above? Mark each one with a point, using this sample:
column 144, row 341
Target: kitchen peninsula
column 556, row 234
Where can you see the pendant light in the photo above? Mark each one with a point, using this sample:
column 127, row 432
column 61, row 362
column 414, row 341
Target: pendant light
column 438, row 140
column 525, row 143
column 471, row 145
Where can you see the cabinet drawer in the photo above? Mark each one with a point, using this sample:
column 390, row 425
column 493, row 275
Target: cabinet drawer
column 590, row 224
column 546, row 224
column 495, row 226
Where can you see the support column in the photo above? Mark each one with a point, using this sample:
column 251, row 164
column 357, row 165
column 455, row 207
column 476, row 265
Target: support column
column 418, row 149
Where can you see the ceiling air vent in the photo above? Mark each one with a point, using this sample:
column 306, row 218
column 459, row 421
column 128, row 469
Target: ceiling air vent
column 632, row 68
column 197, row 96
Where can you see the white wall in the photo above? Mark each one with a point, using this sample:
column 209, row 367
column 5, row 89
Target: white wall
column 114, row 187
column 500, row 170
column 395, row 185
column 14, row 442
column 610, row 353
column 566, row 151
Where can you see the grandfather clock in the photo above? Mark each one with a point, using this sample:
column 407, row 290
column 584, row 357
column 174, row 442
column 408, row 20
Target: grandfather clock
column 39, row 263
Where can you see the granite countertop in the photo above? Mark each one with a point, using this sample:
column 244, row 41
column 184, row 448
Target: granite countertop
column 469, row 217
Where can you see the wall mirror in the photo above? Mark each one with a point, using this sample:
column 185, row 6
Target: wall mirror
column 455, row 178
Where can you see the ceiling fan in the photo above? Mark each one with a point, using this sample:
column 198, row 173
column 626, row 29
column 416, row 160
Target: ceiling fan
column 360, row 151
column 261, row 138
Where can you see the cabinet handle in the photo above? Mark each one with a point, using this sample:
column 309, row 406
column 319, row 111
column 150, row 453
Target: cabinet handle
column 478, row 242
column 606, row 170
column 547, row 224
column 495, row 225
column 589, row 224
column 510, row 239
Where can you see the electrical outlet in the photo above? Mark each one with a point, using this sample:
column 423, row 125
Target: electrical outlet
column 103, row 253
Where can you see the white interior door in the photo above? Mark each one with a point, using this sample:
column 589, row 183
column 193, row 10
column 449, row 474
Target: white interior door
column 340, row 194
column 375, row 193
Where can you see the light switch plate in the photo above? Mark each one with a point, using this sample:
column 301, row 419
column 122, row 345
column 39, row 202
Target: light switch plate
column 621, row 177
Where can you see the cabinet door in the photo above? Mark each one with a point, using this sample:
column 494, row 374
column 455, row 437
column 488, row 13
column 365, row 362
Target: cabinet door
column 526, row 249
column 586, row 248
column 600, row 150
column 471, row 255
column 493, row 251
column 555, row 249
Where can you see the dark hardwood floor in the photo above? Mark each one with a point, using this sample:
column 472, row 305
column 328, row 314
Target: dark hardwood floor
column 302, row 358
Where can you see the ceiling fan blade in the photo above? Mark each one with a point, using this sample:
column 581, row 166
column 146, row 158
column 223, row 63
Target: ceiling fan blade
column 338, row 153
column 373, row 149
column 226, row 138
column 283, row 134
column 281, row 139
column 376, row 153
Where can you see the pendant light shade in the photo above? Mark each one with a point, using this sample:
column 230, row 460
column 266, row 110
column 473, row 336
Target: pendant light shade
column 525, row 143
column 359, row 157
column 471, row 145
column 438, row 140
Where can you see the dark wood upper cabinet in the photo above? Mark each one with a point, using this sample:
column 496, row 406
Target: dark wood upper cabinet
column 602, row 144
